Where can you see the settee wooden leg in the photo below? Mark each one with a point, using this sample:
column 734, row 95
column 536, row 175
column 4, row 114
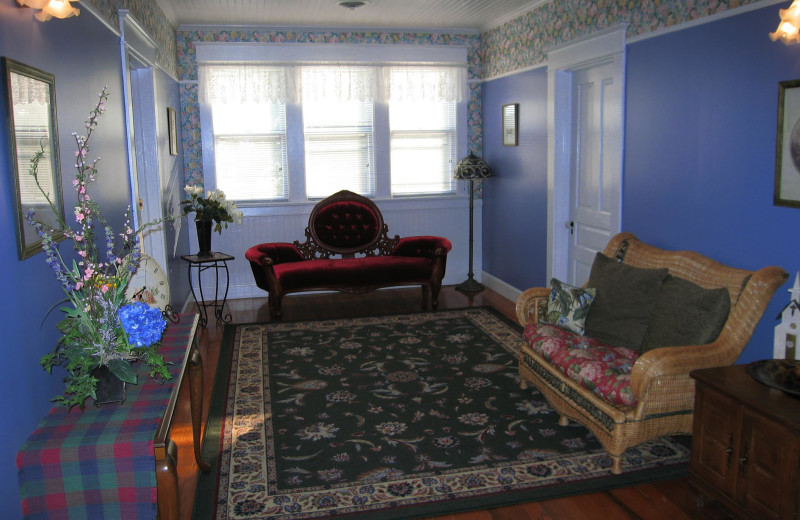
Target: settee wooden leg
column 563, row 421
column 274, row 302
column 523, row 384
column 426, row 298
column 434, row 290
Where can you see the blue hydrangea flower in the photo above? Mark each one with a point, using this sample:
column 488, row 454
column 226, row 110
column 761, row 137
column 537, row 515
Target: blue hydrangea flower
column 143, row 324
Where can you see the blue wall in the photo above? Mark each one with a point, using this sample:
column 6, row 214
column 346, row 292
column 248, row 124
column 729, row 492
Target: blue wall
column 84, row 55
column 515, row 197
column 701, row 129
column 701, row 116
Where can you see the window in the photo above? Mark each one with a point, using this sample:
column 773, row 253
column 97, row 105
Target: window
column 249, row 126
column 300, row 122
column 422, row 129
column 422, row 121
column 338, row 130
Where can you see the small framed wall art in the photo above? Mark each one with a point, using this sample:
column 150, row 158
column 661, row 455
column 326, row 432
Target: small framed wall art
column 172, row 124
column 787, row 155
column 510, row 120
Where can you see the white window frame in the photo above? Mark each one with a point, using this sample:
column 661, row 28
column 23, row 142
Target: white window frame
column 454, row 55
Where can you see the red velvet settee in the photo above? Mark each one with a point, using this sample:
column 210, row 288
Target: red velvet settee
column 348, row 249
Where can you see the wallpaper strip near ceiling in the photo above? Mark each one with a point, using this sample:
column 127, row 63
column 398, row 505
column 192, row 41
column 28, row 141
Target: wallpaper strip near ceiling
column 522, row 42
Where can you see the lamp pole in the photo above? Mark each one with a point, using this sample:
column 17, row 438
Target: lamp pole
column 470, row 285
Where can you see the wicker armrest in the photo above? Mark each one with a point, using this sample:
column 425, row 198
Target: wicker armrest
column 674, row 363
column 529, row 303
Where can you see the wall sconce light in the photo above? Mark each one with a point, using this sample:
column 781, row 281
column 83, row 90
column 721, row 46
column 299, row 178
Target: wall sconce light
column 51, row 8
column 788, row 30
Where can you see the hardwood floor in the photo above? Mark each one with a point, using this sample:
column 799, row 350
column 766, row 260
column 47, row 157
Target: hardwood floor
column 666, row 500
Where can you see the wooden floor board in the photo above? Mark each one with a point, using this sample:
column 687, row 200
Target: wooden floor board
column 641, row 502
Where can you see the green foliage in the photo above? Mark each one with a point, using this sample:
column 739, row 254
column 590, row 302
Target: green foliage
column 94, row 284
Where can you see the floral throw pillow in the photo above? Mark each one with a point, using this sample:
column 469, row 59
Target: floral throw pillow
column 568, row 306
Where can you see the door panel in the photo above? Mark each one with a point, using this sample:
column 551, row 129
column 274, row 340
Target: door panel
column 714, row 456
column 596, row 178
column 766, row 460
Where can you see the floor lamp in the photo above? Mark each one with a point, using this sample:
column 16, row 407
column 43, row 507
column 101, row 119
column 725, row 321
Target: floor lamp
column 471, row 168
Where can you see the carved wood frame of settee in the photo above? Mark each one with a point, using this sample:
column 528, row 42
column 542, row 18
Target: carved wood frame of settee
column 660, row 379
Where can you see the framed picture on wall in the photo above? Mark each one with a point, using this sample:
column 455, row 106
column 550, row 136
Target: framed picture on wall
column 510, row 120
column 787, row 156
column 172, row 124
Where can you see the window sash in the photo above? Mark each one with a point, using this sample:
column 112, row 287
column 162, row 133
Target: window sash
column 423, row 147
column 339, row 146
column 339, row 160
column 422, row 162
column 250, row 167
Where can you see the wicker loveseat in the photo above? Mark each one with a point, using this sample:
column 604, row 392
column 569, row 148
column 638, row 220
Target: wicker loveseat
column 661, row 393
column 347, row 248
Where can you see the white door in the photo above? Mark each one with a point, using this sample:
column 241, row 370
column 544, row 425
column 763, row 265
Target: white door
column 586, row 92
column 596, row 173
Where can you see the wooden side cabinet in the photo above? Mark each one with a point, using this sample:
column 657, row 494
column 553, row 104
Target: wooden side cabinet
column 746, row 445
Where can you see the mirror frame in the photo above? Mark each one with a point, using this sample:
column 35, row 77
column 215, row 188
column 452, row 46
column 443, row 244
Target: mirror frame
column 28, row 243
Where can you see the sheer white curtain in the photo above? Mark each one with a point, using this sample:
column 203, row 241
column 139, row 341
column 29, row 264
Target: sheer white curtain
column 242, row 83
column 422, row 84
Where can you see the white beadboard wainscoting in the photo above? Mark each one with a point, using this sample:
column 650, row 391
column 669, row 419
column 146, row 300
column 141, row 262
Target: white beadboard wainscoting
column 439, row 216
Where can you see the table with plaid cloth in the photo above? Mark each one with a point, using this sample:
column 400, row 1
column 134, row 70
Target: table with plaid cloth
column 99, row 462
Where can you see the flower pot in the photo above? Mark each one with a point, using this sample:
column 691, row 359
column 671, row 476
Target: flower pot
column 110, row 389
column 204, row 237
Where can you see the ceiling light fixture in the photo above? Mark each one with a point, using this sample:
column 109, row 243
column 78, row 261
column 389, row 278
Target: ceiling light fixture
column 788, row 30
column 352, row 5
column 51, row 8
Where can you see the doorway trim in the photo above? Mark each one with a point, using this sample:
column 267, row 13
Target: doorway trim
column 604, row 46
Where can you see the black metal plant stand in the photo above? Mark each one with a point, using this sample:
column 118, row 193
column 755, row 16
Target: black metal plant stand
column 215, row 261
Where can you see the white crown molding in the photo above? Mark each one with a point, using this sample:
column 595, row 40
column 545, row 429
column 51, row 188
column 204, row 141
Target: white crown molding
column 380, row 30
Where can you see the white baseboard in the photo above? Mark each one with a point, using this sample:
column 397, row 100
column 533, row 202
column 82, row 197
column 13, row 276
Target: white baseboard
column 500, row 287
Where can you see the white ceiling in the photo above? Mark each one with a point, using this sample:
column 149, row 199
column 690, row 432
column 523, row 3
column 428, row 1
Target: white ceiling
column 441, row 15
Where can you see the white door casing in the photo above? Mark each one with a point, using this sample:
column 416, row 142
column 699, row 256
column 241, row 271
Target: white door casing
column 138, row 54
column 586, row 94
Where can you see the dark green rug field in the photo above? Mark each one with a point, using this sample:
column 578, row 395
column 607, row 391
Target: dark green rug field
column 393, row 417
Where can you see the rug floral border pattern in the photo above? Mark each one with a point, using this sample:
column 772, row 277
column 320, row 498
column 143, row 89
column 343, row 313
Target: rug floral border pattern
column 249, row 481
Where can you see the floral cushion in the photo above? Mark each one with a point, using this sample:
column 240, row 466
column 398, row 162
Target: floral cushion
column 568, row 306
column 603, row 369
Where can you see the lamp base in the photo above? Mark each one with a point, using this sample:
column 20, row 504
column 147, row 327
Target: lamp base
column 470, row 285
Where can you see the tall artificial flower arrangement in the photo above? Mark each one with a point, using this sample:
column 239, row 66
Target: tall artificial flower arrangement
column 100, row 328
column 214, row 207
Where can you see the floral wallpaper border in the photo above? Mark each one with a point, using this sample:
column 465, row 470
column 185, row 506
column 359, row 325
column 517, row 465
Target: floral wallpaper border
column 522, row 42
column 152, row 18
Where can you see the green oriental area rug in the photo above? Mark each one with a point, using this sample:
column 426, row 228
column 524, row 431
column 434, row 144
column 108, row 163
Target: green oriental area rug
column 393, row 417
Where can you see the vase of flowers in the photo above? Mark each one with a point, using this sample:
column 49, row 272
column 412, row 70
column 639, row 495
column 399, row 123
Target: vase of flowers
column 211, row 210
column 101, row 328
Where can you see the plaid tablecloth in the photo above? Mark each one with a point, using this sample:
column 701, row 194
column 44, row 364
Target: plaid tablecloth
column 99, row 462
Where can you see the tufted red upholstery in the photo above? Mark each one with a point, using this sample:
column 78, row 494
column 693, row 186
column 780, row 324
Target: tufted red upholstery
column 348, row 224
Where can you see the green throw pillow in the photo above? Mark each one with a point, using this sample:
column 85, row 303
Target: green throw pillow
column 686, row 314
column 625, row 300
column 568, row 306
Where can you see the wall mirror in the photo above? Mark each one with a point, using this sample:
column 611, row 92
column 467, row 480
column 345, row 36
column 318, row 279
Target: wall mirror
column 31, row 115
